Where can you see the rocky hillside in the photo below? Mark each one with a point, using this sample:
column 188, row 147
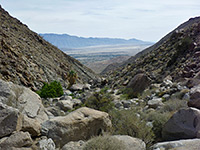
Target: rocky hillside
column 27, row 59
column 177, row 54
column 68, row 41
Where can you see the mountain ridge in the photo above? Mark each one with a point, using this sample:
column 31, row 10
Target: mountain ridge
column 69, row 41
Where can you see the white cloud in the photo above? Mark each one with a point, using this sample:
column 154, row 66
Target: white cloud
column 144, row 19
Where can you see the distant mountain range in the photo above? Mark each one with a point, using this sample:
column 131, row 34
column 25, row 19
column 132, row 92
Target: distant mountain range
column 68, row 41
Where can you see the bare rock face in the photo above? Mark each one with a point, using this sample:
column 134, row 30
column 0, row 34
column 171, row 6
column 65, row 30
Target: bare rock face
column 131, row 143
column 16, row 140
column 23, row 99
column 190, row 144
column 78, row 125
column 184, row 124
column 10, row 120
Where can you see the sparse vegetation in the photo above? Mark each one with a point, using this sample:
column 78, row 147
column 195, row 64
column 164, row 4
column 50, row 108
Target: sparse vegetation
column 128, row 122
column 180, row 49
column 104, row 143
column 54, row 89
column 72, row 77
column 100, row 101
column 129, row 93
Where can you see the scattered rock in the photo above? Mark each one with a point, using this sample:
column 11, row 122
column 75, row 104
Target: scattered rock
column 194, row 97
column 65, row 105
column 184, row 124
column 81, row 124
column 74, row 145
column 155, row 103
column 86, row 86
column 65, row 97
column 131, row 143
column 32, row 126
column 77, row 87
column 166, row 96
column 67, row 92
column 46, row 144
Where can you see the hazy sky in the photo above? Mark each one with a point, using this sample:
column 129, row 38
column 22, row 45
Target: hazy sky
column 143, row 19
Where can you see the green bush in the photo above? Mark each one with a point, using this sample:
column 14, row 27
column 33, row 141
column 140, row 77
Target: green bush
column 104, row 143
column 54, row 89
column 126, row 122
column 100, row 101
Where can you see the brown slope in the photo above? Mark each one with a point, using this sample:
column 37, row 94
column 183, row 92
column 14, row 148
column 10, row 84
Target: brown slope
column 27, row 59
column 131, row 60
column 177, row 54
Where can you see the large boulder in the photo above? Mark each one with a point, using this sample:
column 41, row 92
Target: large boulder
column 131, row 142
column 184, row 124
column 190, row 144
column 78, row 125
column 139, row 83
column 10, row 120
column 194, row 97
column 23, row 99
column 17, row 140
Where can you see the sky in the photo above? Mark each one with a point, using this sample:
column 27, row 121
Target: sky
column 147, row 20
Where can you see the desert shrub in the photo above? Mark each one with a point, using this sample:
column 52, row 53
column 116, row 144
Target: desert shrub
column 72, row 77
column 104, row 143
column 54, row 89
column 100, row 101
column 173, row 105
column 130, row 93
column 127, row 122
column 158, row 119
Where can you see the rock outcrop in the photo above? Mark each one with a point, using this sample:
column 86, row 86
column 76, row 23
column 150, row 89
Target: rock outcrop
column 78, row 125
column 23, row 99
